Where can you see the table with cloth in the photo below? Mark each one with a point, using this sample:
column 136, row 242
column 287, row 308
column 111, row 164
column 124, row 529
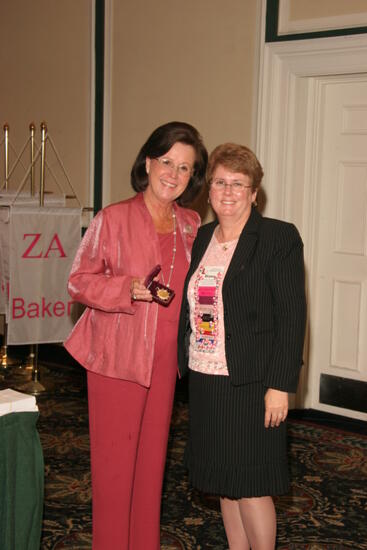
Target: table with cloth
column 21, row 479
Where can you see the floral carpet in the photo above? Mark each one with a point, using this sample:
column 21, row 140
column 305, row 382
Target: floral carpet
column 325, row 509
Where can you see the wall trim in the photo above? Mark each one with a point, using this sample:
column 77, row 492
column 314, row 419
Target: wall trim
column 92, row 103
column 343, row 393
column 99, row 102
column 346, row 21
column 282, row 68
column 289, row 89
column 107, row 104
column 280, row 28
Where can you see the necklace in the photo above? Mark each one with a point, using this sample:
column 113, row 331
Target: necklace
column 173, row 253
column 227, row 244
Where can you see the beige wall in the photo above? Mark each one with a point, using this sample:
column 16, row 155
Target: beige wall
column 192, row 61
column 45, row 68
column 195, row 61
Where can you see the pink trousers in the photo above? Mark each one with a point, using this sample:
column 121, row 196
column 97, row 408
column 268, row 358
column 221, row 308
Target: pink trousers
column 129, row 427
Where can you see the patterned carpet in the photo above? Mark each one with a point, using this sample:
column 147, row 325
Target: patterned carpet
column 326, row 508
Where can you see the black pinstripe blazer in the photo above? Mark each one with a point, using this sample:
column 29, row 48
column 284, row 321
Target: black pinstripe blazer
column 264, row 304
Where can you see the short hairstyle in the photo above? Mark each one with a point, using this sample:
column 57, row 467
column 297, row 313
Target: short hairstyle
column 158, row 144
column 236, row 158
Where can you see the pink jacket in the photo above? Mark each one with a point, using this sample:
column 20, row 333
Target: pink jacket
column 115, row 337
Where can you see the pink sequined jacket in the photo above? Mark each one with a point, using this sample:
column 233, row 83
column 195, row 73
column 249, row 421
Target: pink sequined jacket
column 115, row 337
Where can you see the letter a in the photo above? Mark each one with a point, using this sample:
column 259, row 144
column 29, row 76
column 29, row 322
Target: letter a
column 56, row 240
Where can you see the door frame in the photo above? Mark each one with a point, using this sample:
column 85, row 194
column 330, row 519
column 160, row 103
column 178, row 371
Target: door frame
column 290, row 83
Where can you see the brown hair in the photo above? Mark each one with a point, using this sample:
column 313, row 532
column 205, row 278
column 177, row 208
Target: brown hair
column 161, row 141
column 236, row 158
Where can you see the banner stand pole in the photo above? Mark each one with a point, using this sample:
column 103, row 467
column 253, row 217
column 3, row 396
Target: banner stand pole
column 6, row 154
column 6, row 361
column 28, row 365
column 26, row 368
column 35, row 387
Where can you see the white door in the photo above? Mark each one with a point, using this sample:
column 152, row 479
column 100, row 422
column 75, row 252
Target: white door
column 338, row 316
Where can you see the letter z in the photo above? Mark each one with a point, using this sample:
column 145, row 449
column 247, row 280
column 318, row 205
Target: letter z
column 32, row 245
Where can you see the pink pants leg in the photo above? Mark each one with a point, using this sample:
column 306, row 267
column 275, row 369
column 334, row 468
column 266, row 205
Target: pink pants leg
column 129, row 427
column 151, row 456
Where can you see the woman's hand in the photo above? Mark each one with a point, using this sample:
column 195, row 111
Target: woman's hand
column 139, row 291
column 276, row 407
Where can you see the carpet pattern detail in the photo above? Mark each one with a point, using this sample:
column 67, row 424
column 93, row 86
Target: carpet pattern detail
column 325, row 509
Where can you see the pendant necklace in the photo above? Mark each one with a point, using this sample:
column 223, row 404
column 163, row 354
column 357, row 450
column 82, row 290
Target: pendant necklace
column 173, row 253
column 227, row 244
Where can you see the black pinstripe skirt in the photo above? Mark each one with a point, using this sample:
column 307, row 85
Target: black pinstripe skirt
column 230, row 453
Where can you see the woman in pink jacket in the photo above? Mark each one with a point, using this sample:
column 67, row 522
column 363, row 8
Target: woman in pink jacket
column 126, row 338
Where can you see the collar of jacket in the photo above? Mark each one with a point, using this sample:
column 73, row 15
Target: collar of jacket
column 245, row 248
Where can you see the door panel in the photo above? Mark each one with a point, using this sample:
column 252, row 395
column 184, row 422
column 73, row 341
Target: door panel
column 339, row 323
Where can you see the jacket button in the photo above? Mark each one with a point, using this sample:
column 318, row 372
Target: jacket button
column 228, row 336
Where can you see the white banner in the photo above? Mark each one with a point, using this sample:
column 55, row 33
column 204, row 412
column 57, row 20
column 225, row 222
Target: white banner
column 7, row 198
column 4, row 260
column 43, row 243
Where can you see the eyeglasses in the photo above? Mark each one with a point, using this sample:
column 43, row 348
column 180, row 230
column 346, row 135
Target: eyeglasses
column 236, row 186
column 184, row 170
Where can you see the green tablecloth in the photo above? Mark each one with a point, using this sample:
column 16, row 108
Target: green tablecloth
column 21, row 482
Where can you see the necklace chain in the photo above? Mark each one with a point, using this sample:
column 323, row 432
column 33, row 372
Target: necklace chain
column 226, row 244
column 173, row 253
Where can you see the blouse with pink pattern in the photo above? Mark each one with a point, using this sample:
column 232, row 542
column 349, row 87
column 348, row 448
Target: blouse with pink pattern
column 207, row 340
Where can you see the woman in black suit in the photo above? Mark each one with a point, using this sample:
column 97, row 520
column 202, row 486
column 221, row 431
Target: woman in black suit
column 241, row 336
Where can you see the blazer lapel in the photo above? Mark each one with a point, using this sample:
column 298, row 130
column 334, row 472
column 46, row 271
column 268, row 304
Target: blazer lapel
column 245, row 248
